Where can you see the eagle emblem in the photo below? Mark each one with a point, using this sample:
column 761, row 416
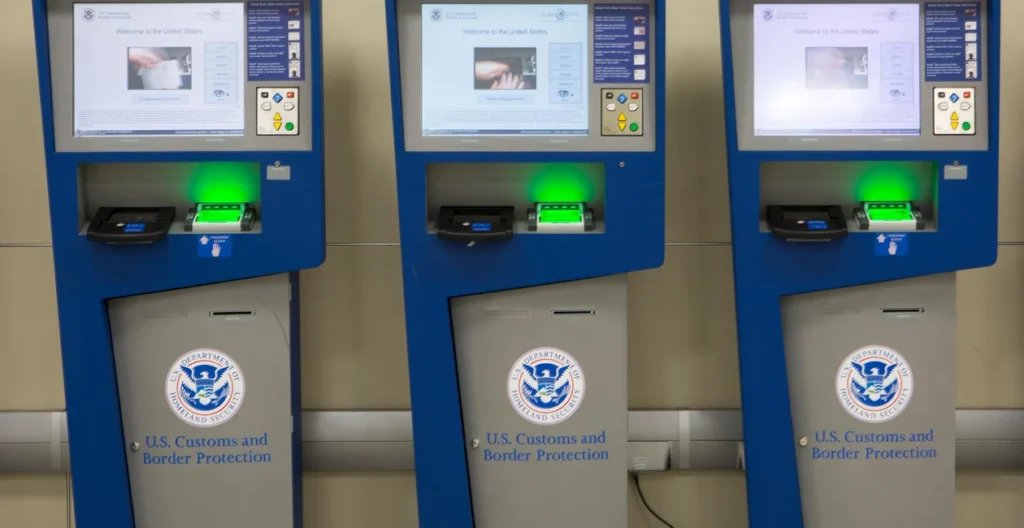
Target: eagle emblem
column 874, row 384
column 546, row 385
column 205, row 387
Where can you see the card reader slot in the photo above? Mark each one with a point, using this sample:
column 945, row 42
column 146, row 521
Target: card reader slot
column 573, row 312
column 902, row 311
column 233, row 314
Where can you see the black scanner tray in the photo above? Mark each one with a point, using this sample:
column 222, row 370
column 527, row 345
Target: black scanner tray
column 807, row 223
column 476, row 223
column 130, row 225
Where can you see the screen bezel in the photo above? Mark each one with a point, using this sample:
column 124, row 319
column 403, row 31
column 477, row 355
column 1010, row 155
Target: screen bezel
column 409, row 26
column 741, row 28
column 245, row 96
column 60, row 27
column 574, row 130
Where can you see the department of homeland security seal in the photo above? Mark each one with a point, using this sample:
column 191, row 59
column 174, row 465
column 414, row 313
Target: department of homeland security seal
column 205, row 388
column 546, row 386
column 874, row 384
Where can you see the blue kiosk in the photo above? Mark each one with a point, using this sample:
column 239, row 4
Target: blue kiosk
column 529, row 145
column 863, row 150
column 184, row 153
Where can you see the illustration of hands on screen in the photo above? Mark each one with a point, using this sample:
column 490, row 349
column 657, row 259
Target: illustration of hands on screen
column 836, row 69
column 504, row 70
column 159, row 69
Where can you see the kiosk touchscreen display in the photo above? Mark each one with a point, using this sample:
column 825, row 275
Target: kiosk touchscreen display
column 837, row 69
column 159, row 69
column 505, row 70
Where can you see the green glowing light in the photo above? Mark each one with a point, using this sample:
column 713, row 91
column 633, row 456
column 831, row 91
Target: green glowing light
column 561, row 182
column 888, row 182
column 219, row 213
column 560, row 213
column 224, row 182
column 889, row 212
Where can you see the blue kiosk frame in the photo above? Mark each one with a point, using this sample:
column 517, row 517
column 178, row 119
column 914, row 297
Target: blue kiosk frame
column 89, row 274
column 767, row 269
column 436, row 271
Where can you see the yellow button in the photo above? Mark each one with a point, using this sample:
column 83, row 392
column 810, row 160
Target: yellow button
column 277, row 116
column 622, row 125
column 955, row 124
column 277, row 125
column 954, row 117
column 622, row 117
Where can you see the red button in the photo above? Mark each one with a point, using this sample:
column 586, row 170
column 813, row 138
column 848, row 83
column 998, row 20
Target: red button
column 635, row 95
column 291, row 95
column 967, row 95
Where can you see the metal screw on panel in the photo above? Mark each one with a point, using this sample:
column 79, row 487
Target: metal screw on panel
column 955, row 163
column 803, row 441
column 622, row 164
column 476, row 443
column 135, row 446
column 277, row 163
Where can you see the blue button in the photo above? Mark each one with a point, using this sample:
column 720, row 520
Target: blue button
column 816, row 225
column 622, row 98
column 954, row 98
column 481, row 227
column 134, row 228
column 278, row 98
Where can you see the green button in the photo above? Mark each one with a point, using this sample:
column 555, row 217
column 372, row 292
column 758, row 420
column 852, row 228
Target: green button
column 633, row 127
column 967, row 126
column 289, row 127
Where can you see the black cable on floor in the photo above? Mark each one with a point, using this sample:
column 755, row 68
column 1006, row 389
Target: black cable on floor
column 640, row 493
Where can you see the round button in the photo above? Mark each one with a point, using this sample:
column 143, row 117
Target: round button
column 967, row 126
column 633, row 127
column 289, row 127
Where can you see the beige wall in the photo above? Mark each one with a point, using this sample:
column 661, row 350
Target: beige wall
column 682, row 348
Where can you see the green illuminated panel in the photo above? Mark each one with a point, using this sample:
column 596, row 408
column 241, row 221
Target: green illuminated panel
column 888, row 212
column 223, row 182
column 560, row 213
column 563, row 182
column 219, row 213
column 888, row 181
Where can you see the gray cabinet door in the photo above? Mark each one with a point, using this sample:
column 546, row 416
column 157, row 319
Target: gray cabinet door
column 880, row 435
column 229, row 454
column 545, row 455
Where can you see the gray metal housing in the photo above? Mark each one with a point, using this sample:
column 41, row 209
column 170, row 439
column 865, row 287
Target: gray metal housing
column 250, row 322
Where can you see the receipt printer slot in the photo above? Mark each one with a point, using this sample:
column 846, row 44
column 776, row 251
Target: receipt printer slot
column 807, row 223
column 471, row 224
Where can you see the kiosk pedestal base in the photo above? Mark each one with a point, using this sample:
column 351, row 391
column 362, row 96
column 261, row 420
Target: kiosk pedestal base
column 204, row 376
column 872, row 387
column 542, row 377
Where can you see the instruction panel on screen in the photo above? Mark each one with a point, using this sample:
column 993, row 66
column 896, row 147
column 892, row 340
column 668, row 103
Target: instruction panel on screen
column 837, row 70
column 159, row 69
column 504, row 70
